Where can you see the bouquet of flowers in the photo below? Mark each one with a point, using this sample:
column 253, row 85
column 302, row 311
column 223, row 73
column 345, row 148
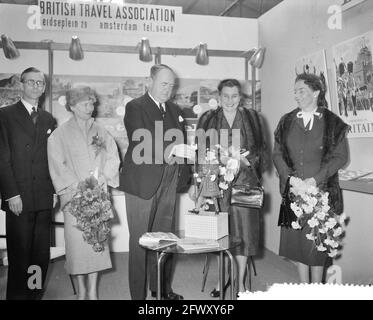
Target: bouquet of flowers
column 229, row 165
column 311, row 206
column 91, row 206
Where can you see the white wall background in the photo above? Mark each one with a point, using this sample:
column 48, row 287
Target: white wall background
column 290, row 30
column 221, row 33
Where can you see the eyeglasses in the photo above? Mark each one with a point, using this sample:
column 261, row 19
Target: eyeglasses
column 32, row 83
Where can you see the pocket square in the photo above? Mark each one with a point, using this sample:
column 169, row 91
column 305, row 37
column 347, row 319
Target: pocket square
column 181, row 119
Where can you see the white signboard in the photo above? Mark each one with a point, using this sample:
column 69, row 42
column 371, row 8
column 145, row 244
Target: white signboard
column 108, row 17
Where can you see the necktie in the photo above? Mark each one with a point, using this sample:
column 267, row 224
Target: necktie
column 308, row 117
column 34, row 115
column 163, row 109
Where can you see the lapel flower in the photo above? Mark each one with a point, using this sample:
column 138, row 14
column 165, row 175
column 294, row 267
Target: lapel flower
column 181, row 119
column 49, row 131
column 98, row 144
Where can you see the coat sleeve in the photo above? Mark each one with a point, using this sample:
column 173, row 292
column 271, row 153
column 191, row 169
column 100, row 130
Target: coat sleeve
column 337, row 160
column 282, row 168
column 8, row 185
column 63, row 177
column 111, row 167
column 259, row 159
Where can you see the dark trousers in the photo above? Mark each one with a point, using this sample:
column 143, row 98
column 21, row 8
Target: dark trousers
column 155, row 214
column 28, row 244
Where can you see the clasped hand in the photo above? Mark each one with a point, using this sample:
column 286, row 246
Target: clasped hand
column 309, row 181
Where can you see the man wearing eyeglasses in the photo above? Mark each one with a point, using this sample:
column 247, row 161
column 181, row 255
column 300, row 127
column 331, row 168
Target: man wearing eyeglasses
column 26, row 188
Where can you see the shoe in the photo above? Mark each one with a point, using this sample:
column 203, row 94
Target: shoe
column 216, row 293
column 173, row 296
column 169, row 296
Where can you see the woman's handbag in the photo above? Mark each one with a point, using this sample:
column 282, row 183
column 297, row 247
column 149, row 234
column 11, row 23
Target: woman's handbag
column 286, row 216
column 248, row 196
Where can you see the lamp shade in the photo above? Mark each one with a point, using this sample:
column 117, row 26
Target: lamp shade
column 202, row 57
column 257, row 58
column 76, row 51
column 145, row 52
column 10, row 50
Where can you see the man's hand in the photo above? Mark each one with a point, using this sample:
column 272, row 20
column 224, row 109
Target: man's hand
column 15, row 205
column 183, row 151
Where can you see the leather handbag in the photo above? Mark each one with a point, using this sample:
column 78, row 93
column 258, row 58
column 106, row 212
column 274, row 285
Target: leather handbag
column 247, row 195
column 286, row 216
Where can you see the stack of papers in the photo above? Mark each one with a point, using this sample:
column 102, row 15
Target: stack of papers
column 192, row 244
column 158, row 239
column 348, row 175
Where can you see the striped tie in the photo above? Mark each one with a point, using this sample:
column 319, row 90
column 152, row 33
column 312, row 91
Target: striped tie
column 163, row 109
column 34, row 115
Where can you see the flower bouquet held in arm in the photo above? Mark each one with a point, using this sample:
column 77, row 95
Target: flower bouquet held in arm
column 311, row 207
column 91, row 206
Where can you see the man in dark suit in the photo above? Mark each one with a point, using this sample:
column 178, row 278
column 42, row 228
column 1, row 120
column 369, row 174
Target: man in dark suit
column 149, row 178
column 26, row 188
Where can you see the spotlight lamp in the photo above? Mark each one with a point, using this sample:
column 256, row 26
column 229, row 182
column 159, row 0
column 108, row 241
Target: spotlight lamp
column 202, row 57
column 10, row 50
column 257, row 58
column 76, row 52
column 145, row 52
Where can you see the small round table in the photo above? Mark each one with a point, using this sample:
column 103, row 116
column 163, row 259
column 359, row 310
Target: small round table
column 223, row 245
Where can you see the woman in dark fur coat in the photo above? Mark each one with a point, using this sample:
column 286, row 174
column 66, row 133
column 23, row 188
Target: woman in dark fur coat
column 311, row 144
column 242, row 129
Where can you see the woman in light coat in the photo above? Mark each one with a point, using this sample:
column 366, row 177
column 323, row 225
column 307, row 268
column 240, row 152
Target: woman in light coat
column 76, row 150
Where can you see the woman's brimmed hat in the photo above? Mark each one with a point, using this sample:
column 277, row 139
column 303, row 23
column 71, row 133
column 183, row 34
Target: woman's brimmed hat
column 79, row 94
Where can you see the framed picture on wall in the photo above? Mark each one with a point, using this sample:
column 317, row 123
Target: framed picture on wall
column 353, row 71
column 315, row 63
column 10, row 89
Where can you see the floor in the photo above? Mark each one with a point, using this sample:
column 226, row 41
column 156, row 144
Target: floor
column 113, row 284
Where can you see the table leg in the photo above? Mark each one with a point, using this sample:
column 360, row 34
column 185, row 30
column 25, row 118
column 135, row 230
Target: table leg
column 221, row 275
column 160, row 256
column 232, row 265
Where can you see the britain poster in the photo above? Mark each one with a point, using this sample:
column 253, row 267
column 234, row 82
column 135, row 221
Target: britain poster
column 353, row 72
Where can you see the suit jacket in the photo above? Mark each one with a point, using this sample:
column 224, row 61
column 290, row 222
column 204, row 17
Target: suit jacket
column 23, row 157
column 144, row 179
